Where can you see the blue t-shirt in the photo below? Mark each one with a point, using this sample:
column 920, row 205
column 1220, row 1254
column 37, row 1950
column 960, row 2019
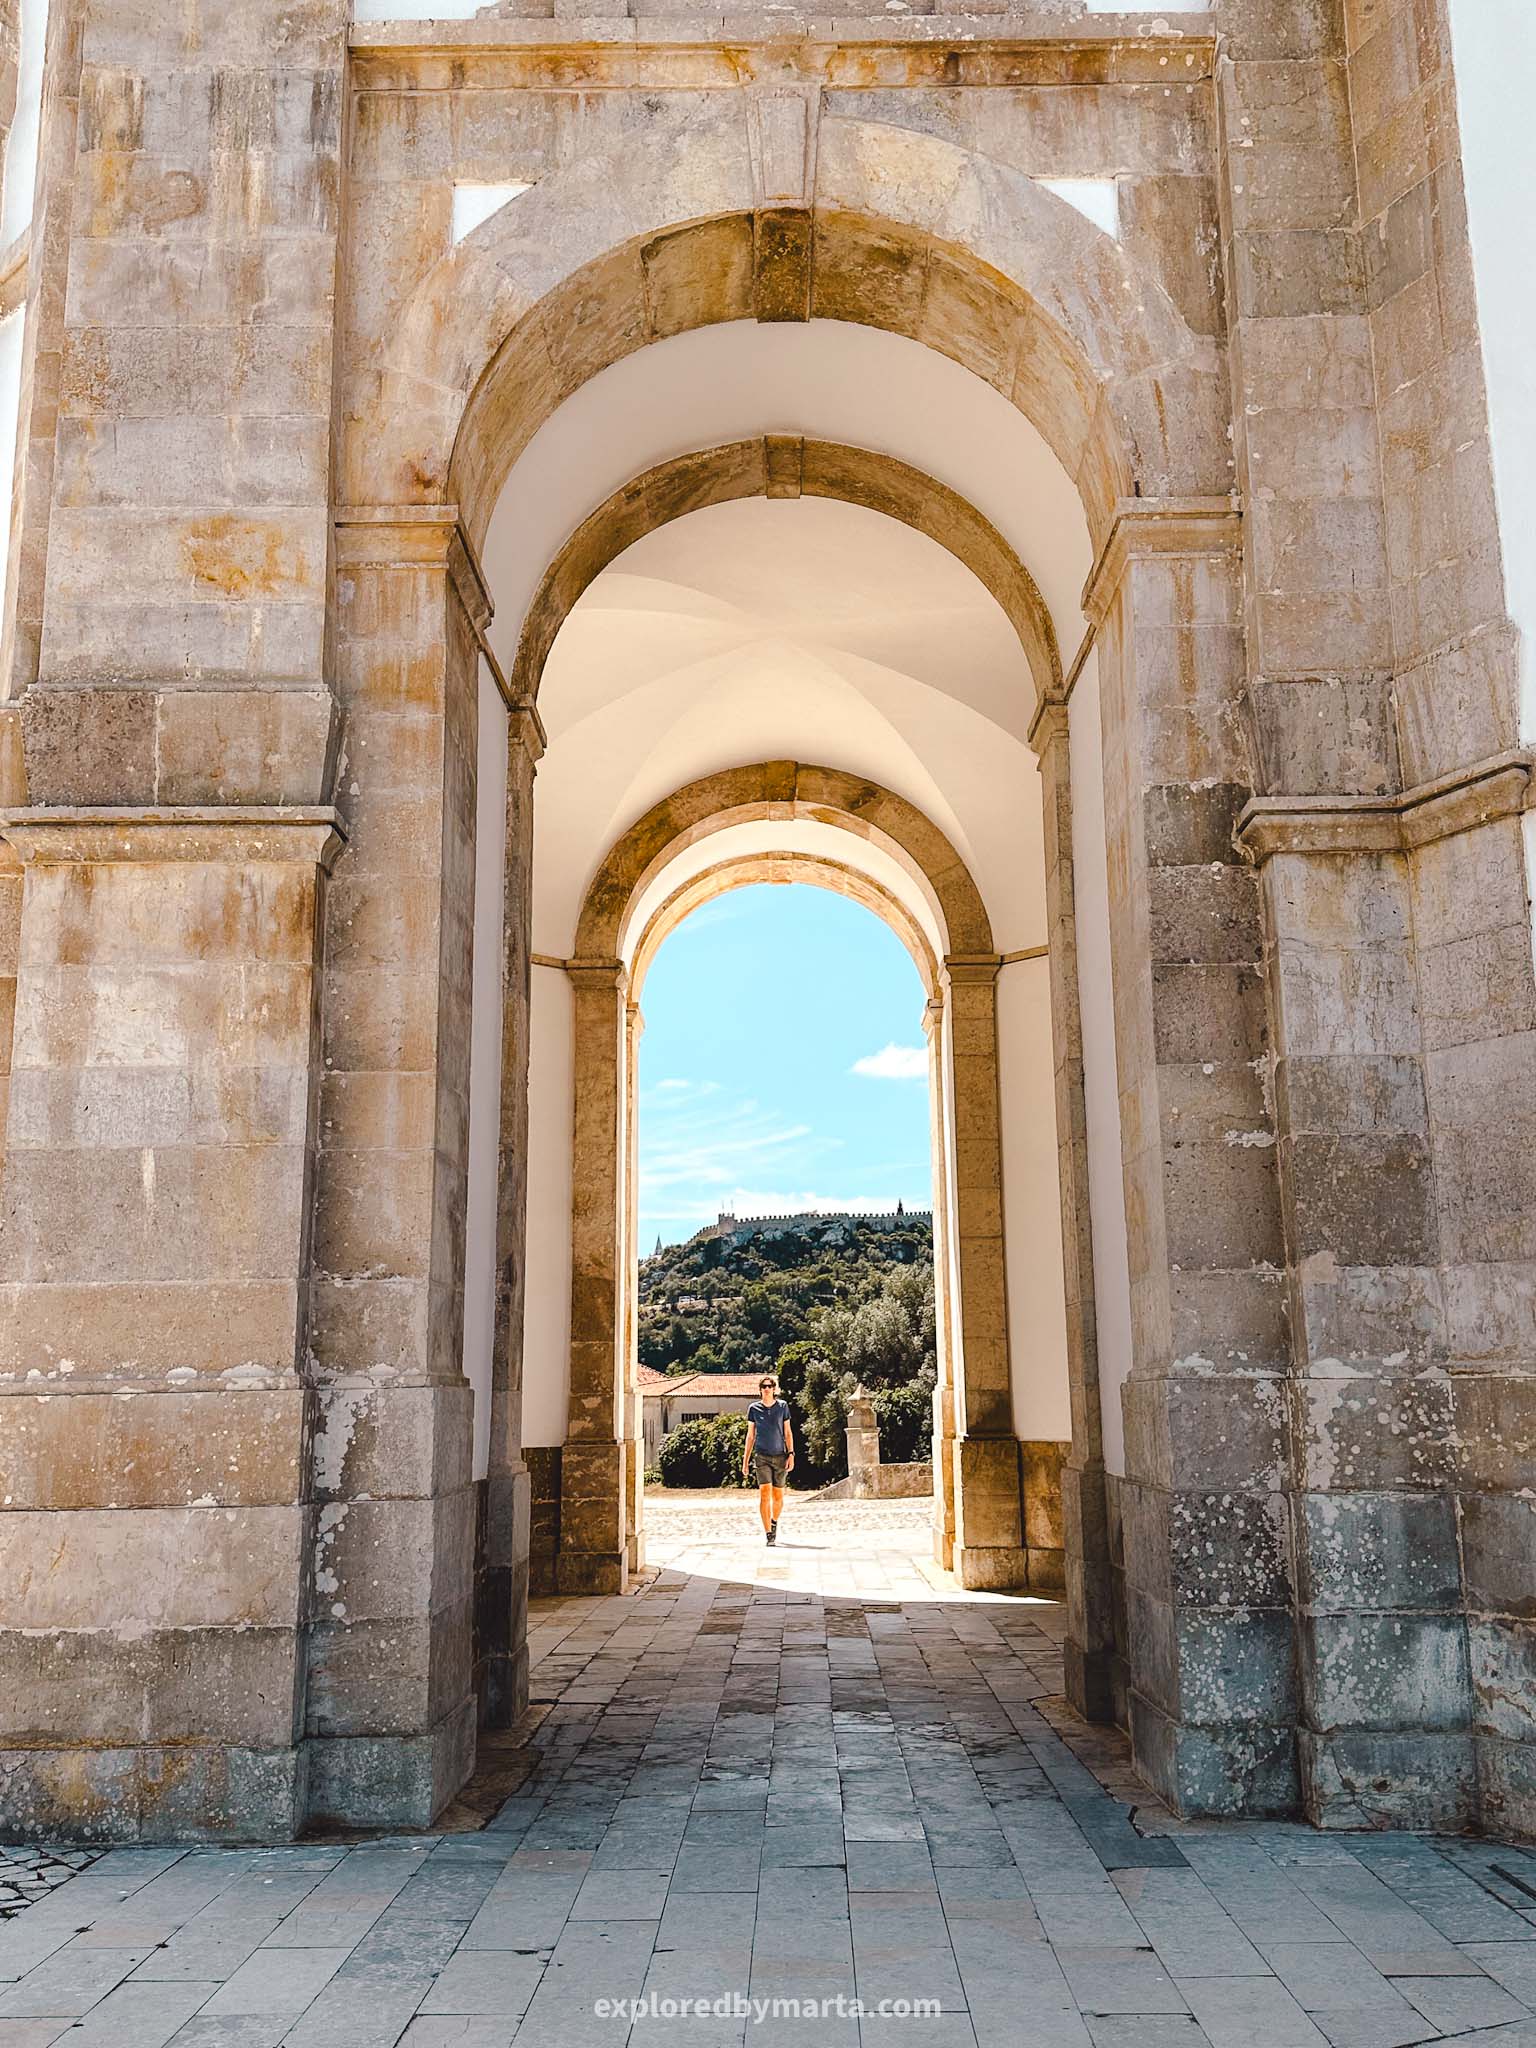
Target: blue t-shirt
column 769, row 1420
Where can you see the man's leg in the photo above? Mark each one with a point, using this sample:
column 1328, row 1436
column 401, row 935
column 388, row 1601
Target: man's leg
column 778, row 1501
column 765, row 1506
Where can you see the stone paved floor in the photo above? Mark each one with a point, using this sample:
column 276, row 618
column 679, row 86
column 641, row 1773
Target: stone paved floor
column 816, row 1774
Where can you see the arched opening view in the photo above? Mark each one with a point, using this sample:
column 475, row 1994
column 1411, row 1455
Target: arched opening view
column 724, row 640
column 784, row 1191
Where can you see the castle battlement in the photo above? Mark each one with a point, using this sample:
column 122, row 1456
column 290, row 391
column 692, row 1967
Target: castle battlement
column 807, row 1222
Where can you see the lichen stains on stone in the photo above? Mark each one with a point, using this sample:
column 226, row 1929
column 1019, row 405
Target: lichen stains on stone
column 242, row 558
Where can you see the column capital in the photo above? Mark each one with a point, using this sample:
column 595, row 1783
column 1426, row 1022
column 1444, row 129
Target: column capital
column 1143, row 527
column 67, row 835
column 1049, row 724
column 416, row 537
column 598, row 974
column 978, row 969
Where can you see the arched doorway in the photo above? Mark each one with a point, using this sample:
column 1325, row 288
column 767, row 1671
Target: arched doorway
column 898, row 863
column 1117, row 409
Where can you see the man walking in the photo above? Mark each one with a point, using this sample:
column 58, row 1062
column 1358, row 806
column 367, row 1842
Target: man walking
column 770, row 1448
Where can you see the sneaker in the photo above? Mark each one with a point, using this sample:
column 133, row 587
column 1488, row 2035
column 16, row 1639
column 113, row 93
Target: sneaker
column 773, row 1533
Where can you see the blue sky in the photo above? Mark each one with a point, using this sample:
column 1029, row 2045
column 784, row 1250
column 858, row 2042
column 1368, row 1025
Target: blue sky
column 782, row 1065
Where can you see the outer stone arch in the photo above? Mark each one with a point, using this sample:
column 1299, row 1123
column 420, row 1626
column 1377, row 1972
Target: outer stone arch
column 979, row 1518
column 765, row 212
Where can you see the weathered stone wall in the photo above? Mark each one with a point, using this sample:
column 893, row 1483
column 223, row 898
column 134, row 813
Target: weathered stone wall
column 267, row 408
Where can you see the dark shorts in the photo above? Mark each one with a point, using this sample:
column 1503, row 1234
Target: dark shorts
column 769, row 1471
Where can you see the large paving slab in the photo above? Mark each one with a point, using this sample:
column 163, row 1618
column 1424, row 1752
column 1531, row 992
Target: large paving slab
column 779, row 1798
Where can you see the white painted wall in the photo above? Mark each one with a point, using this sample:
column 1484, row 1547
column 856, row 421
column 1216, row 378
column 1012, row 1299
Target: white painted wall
column 547, row 1318
column 485, row 1057
column 828, row 379
column 1493, row 44
column 12, row 332
column 1037, row 1308
column 21, row 142
column 416, row 10
column 781, row 629
column 1101, row 1085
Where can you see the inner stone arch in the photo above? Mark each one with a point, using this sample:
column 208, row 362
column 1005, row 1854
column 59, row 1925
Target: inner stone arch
column 912, row 877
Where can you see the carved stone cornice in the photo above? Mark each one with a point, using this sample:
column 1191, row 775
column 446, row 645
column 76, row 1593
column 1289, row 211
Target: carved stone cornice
column 1156, row 526
column 597, row 974
column 60, row 835
column 980, row 969
column 434, row 536
column 408, row 536
column 1499, row 787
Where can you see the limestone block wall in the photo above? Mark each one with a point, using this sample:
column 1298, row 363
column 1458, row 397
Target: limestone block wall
column 232, row 1214
column 155, row 1414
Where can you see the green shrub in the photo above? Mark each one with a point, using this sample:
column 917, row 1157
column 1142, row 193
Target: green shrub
column 904, row 1416
column 704, row 1452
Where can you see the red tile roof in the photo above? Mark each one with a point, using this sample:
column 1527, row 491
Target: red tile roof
column 699, row 1383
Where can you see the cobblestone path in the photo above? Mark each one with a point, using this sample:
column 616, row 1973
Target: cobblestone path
column 744, row 1788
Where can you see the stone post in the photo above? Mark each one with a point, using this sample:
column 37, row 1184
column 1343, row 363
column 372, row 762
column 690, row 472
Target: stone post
column 392, row 1707
column 155, row 1405
column 1089, row 1646
column 1206, row 1538
column 503, row 1594
column 863, row 1435
column 594, row 1466
column 1401, row 1071
column 989, row 1531
column 631, row 1423
column 943, row 1291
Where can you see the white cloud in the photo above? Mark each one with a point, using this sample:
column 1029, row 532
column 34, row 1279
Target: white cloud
column 671, row 1087
column 894, row 1063
column 694, row 1152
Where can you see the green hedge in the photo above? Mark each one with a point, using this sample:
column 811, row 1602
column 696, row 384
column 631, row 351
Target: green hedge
column 705, row 1452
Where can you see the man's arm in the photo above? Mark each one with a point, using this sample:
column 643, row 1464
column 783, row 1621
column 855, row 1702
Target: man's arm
column 746, row 1456
column 789, row 1441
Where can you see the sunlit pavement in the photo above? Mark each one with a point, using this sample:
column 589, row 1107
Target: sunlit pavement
column 787, row 1783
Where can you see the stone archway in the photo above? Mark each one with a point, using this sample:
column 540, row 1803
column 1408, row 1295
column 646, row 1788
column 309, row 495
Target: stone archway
column 770, row 210
column 979, row 1516
column 856, row 222
column 787, row 466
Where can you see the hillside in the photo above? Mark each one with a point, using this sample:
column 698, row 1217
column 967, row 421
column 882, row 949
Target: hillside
column 714, row 1305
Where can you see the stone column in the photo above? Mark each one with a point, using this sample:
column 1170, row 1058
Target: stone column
column 1404, row 1004
column 863, row 1436
column 503, row 1593
column 989, row 1531
column 1306, row 432
column 1206, row 1539
column 155, row 1405
column 171, row 623
column 392, row 1707
column 594, row 1466
column 1089, row 1647
column 943, row 1292
column 631, row 1425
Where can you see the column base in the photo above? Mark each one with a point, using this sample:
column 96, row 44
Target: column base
column 185, row 1792
column 501, row 1597
column 592, row 1571
column 999, row 1568
column 990, row 1554
column 1247, row 1770
column 1373, row 1778
column 1089, row 1676
column 373, row 1781
column 594, row 1554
